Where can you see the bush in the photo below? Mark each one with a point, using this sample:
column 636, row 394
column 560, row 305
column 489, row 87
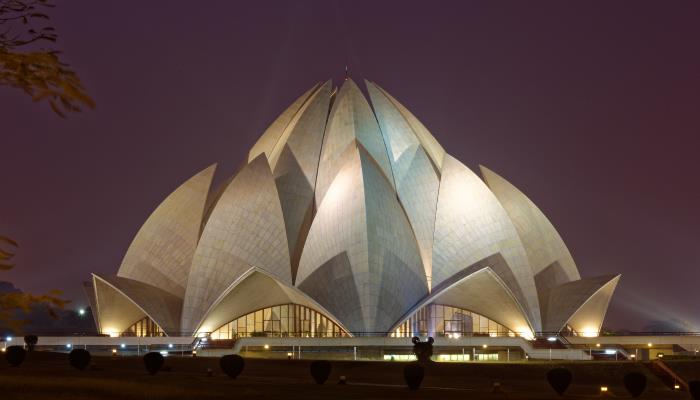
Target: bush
column 232, row 365
column 423, row 350
column 694, row 389
column 413, row 375
column 635, row 383
column 320, row 370
column 153, row 362
column 559, row 379
column 79, row 358
column 31, row 341
column 15, row 355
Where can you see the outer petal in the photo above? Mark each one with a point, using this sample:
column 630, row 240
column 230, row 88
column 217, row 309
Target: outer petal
column 482, row 292
column 245, row 229
column 252, row 291
column 161, row 253
column 582, row 304
column 121, row 302
column 470, row 226
column 361, row 261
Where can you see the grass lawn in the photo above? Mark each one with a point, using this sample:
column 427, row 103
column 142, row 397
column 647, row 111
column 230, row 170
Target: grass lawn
column 48, row 376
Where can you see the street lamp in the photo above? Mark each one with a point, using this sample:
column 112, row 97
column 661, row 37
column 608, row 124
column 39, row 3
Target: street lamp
column 81, row 312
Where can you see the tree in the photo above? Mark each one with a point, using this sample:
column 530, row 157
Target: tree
column 36, row 70
column 13, row 302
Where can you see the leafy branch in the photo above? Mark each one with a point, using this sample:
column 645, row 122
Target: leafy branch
column 37, row 71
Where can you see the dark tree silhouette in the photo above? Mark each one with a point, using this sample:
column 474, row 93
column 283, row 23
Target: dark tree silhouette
column 232, row 365
column 423, row 350
column 559, row 379
column 320, row 370
column 635, row 383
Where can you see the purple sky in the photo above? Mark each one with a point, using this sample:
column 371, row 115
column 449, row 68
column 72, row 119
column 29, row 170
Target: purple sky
column 591, row 108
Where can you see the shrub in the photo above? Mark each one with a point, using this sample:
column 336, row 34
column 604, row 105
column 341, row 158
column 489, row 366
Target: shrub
column 423, row 350
column 79, row 358
column 635, row 383
column 320, row 370
column 232, row 365
column 153, row 362
column 694, row 389
column 559, row 379
column 31, row 341
column 413, row 375
column 15, row 355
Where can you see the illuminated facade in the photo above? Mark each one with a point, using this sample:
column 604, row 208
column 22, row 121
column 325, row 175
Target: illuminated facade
column 348, row 219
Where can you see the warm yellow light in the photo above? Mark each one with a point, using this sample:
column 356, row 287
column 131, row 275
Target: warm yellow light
column 677, row 386
column 194, row 352
column 633, row 356
column 648, row 344
column 289, row 354
column 3, row 349
column 660, row 355
column 484, row 346
column 597, row 345
column 267, row 347
column 603, row 388
column 114, row 351
column 525, row 333
column 589, row 331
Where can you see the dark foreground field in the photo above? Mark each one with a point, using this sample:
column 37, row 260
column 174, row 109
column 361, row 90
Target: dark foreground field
column 48, row 376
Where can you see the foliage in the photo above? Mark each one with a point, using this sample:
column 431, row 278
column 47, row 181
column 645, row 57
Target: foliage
column 31, row 341
column 79, row 358
column 635, row 383
column 153, row 362
column 15, row 355
column 320, row 370
column 423, row 350
column 11, row 302
column 36, row 71
column 413, row 375
column 232, row 365
column 559, row 379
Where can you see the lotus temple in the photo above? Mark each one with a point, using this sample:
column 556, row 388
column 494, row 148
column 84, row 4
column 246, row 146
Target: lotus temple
column 349, row 220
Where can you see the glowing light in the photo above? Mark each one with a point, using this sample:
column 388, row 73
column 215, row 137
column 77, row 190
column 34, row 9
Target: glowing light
column 68, row 345
column 589, row 332
column 114, row 351
column 289, row 354
column 551, row 339
column 597, row 345
column 525, row 333
column 493, row 334
column 123, row 346
column 170, row 345
column 454, row 335
column 660, row 355
column 164, row 353
column 649, row 344
column 610, row 351
column 484, row 345
column 677, row 386
column 81, row 312
column 204, row 340
column 603, row 388
column 9, row 338
column 194, row 352
column 3, row 349
column 633, row 356
column 267, row 347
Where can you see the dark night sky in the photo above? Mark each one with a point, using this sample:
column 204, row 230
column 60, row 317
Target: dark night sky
column 591, row 108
